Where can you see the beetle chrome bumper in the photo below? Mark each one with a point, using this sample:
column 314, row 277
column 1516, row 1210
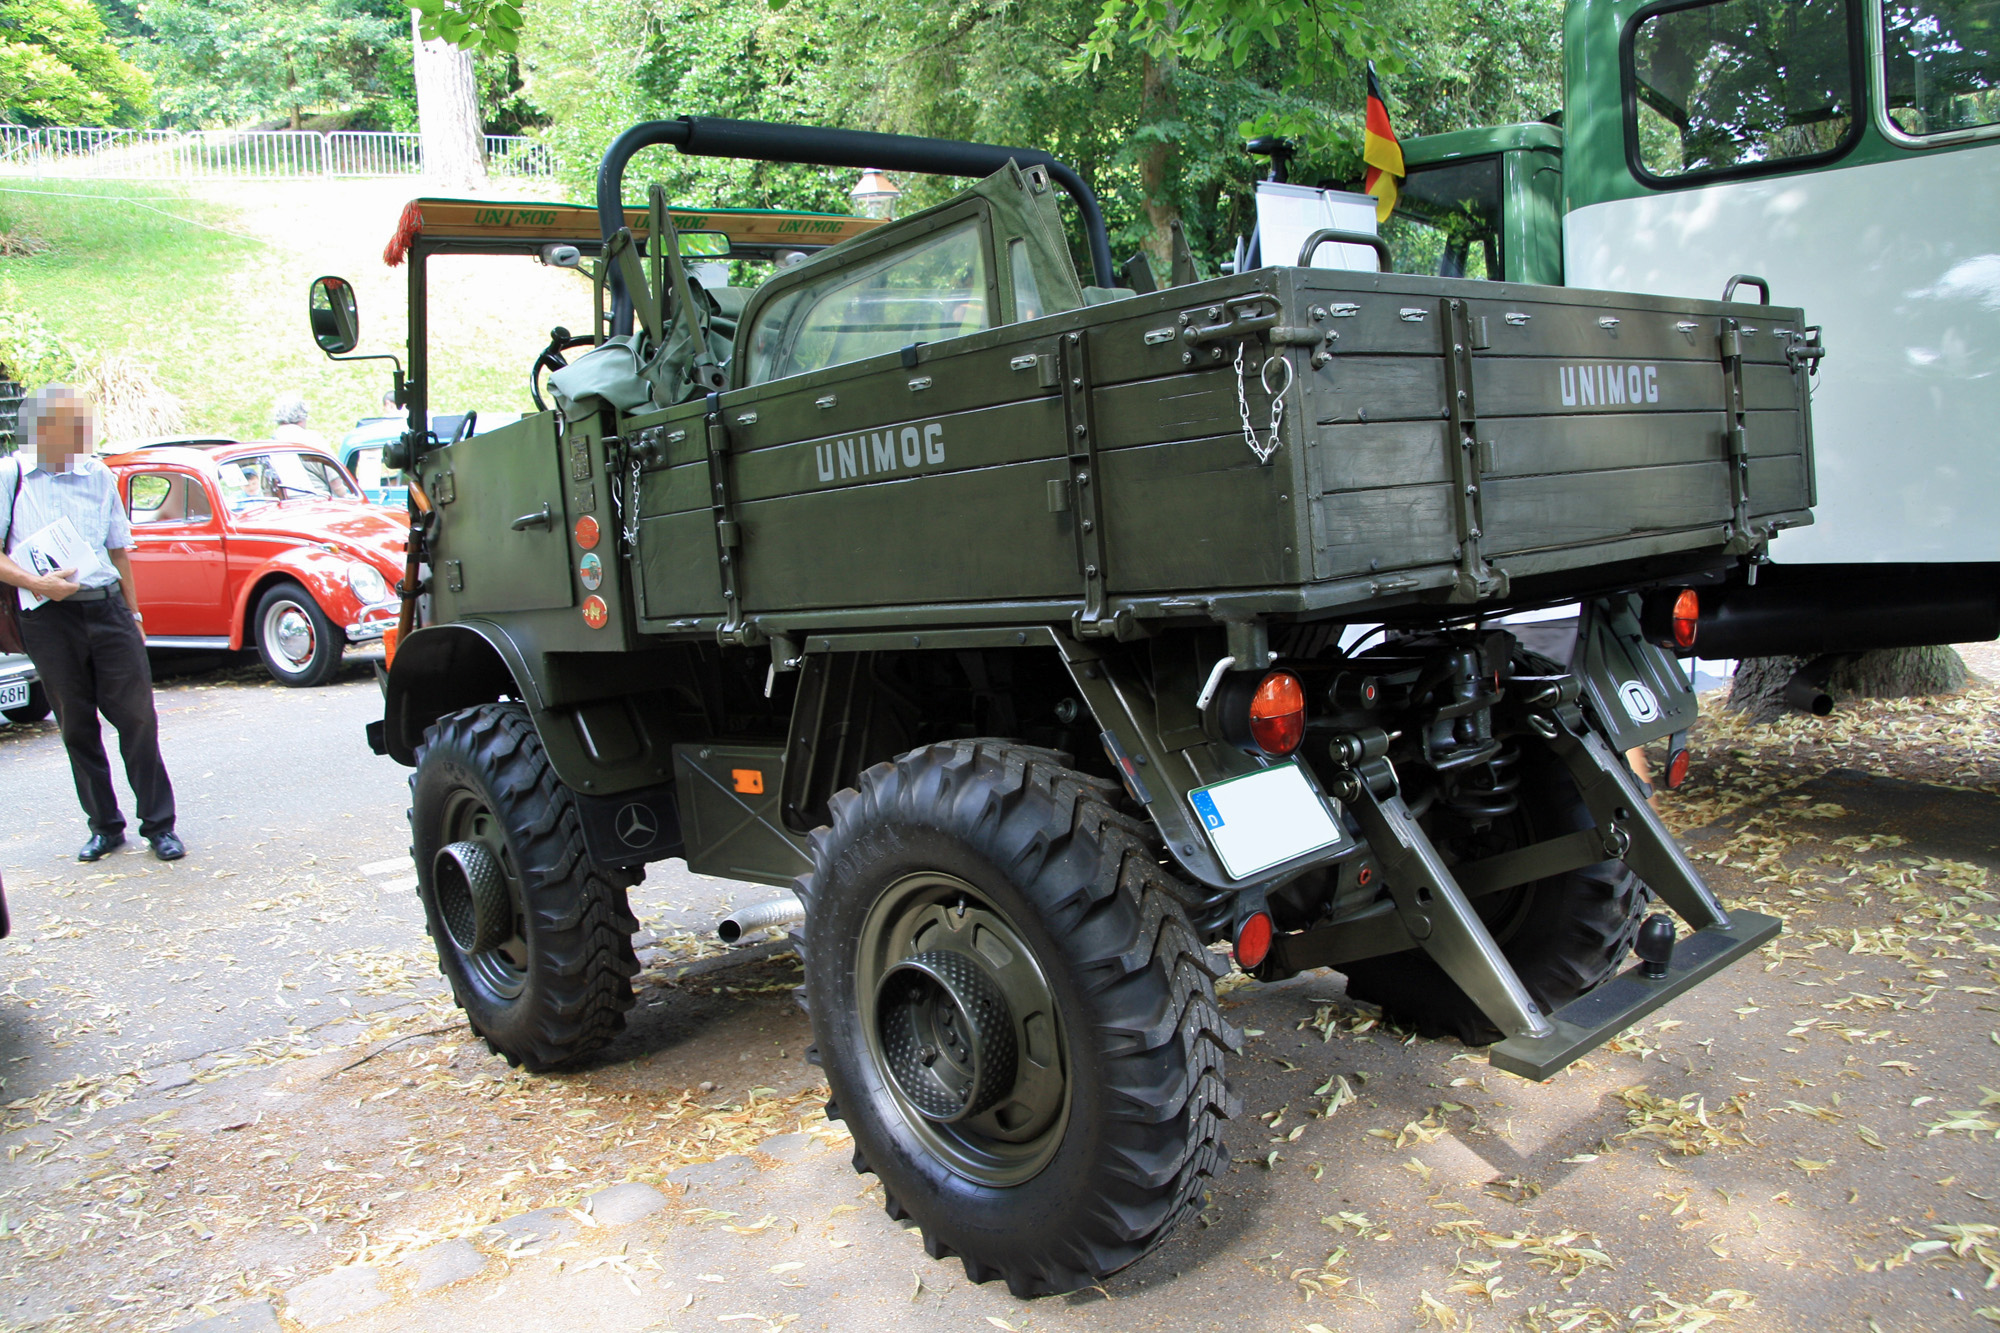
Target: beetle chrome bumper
column 373, row 621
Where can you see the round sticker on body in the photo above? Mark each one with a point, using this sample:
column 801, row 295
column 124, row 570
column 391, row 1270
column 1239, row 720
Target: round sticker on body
column 590, row 570
column 595, row 612
column 586, row 532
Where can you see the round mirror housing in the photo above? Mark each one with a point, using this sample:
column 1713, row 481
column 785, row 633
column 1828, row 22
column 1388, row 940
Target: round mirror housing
column 336, row 322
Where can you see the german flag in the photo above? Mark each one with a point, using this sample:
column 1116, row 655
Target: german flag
column 1381, row 152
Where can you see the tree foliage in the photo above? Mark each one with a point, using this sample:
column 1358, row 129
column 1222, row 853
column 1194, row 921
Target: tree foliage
column 232, row 62
column 483, row 27
column 58, row 66
column 1150, row 101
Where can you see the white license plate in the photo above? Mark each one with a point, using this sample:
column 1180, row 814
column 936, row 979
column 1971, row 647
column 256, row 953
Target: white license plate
column 13, row 694
column 1265, row 819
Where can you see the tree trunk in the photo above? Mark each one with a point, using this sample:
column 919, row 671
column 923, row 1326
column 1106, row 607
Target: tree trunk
column 1158, row 102
column 448, row 122
column 1885, row 673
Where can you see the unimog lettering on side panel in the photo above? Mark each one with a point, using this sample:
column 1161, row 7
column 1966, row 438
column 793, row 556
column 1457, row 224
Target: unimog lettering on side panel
column 1046, row 636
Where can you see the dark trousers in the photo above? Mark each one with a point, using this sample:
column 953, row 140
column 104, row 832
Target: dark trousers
column 92, row 659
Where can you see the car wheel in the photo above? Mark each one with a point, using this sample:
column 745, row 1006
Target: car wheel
column 1016, row 1018
column 534, row 936
column 34, row 710
column 299, row 645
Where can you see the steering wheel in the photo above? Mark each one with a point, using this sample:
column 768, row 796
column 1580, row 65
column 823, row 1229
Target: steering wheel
column 552, row 359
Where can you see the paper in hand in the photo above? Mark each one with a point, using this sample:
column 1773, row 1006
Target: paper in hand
column 58, row 546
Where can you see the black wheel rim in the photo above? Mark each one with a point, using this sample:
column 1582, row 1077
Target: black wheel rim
column 940, row 965
column 501, row 972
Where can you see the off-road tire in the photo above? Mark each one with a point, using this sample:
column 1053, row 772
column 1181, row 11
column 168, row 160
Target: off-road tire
column 324, row 647
column 1565, row 935
column 574, row 926
column 34, row 710
column 1084, row 884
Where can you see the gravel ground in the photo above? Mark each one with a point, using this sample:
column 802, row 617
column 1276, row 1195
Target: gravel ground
column 236, row 1086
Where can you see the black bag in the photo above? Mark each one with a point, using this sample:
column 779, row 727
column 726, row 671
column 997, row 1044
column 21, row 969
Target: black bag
column 10, row 600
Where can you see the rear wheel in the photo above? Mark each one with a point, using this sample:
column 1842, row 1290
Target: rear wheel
column 534, row 936
column 299, row 645
column 1017, row 1021
column 1564, row 935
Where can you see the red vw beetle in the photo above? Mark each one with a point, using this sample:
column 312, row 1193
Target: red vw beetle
column 268, row 543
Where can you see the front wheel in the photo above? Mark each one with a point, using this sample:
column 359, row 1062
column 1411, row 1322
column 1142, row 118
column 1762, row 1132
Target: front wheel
column 534, row 936
column 1016, row 1019
column 299, row 645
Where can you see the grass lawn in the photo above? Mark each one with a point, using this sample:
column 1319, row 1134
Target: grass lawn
column 205, row 285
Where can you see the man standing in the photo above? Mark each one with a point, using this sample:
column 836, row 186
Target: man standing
column 66, row 538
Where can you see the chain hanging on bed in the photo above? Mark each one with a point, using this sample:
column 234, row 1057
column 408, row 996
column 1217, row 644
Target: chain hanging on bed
column 1262, row 450
column 630, row 516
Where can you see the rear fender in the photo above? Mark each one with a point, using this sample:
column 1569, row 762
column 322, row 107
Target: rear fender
column 320, row 571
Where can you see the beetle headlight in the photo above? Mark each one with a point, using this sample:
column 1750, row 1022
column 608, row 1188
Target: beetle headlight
column 368, row 584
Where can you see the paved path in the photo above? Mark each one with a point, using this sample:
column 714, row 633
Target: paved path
column 1800, row 1144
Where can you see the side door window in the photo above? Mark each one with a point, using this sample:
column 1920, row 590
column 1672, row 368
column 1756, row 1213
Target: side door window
column 1447, row 220
column 1941, row 66
column 1736, row 87
column 934, row 289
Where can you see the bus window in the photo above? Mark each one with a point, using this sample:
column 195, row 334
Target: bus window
column 1735, row 85
column 1941, row 64
column 1447, row 220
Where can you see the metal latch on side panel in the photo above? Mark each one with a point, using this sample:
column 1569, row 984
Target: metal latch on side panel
column 445, row 489
column 454, row 575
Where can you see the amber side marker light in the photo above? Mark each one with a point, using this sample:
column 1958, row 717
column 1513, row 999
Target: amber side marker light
column 1278, row 713
column 1253, row 940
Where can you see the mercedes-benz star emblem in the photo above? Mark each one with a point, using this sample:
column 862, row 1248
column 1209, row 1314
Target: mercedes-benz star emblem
column 636, row 826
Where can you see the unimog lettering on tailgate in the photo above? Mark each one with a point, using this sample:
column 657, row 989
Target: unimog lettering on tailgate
column 880, row 452
column 1609, row 386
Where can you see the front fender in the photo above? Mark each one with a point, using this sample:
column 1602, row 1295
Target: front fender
column 440, row 669
column 323, row 573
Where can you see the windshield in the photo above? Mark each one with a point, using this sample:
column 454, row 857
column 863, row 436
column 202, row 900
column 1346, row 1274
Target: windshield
column 1447, row 220
column 266, row 478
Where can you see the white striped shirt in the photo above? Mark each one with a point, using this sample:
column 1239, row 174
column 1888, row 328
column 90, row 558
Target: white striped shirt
column 87, row 498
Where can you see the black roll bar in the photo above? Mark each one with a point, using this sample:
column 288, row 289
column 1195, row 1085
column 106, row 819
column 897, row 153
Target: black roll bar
column 762, row 141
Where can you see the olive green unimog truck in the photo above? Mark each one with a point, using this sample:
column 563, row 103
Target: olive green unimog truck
column 1043, row 635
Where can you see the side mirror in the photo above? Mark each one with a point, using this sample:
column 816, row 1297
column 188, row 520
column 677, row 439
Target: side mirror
column 336, row 323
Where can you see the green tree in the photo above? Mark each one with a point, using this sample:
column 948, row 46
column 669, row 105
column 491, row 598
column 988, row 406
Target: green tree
column 58, row 66
column 227, row 62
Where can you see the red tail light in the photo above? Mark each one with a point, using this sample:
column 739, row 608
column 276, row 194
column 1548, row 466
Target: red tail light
column 1278, row 713
column 1253, row 940
column 1686, row 618
column 1677, row 769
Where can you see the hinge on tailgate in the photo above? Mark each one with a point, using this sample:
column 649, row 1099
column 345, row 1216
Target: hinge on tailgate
column 1733, row 405
column 1476, row 579
column 1073, row 366
column 728, row 532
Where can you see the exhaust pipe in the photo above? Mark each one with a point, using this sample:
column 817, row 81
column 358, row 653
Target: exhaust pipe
column 1807, row 689
column 784, row 911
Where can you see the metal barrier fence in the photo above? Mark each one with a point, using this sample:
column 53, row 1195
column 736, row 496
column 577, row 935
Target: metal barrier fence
column 10, row 411
column 107, row 154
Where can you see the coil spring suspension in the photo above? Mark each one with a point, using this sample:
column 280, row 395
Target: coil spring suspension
column 1489, row 791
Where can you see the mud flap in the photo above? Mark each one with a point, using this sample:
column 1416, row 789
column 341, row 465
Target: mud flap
column 631, row 828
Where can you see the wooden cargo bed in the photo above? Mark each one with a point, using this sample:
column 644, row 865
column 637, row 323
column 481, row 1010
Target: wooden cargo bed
column 1437, row 439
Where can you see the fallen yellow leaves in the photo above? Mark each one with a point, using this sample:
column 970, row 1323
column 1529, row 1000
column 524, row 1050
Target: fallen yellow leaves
column 1559, row 1255
column 1682, row 1124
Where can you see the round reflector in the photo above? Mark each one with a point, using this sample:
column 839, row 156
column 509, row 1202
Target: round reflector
column 1278, row 713
column 1677, row 768
column 1686, row 618
column 1253, row 940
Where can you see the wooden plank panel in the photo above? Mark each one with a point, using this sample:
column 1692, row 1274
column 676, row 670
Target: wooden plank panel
column 919, row 539
column 1533, row 446
column 1550, row 386
column 678, row 574
column 1777, row 484
column 1534, row 513
column 1375, row 388
column 1768, row 387
column 1769, row 433
column 1392, row 528
column 674, row 490
column 1199, row 514
column 1394, row 453
column 1544, row 328
column 986, row 437
column 1188, row 406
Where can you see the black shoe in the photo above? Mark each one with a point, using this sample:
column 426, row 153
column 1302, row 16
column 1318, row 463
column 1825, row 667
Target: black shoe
column 100, row 845
column 167, row 847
